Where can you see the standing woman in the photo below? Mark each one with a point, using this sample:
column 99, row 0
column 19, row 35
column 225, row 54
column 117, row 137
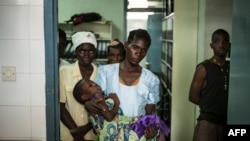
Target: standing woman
column 137, row 88
column 74, row 120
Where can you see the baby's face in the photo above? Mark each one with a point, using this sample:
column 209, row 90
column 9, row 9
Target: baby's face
column 91, row 89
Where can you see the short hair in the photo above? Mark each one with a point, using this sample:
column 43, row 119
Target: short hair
column 62, row 33
column 78, row 91
column 139, row 33
column 117, row 46
column 220, row 32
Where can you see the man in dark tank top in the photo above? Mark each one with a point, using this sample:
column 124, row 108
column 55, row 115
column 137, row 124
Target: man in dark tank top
column 209, row 90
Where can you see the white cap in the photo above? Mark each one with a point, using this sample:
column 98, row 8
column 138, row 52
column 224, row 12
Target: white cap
column 83, row 37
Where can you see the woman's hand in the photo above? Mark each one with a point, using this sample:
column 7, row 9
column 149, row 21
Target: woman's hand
column 93, row 106
column 79, row 132
column 150, row 132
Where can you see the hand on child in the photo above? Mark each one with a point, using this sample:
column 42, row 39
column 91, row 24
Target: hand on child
column 93, row 105
column 77, row 133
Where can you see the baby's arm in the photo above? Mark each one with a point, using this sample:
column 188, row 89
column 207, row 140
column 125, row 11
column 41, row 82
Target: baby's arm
column 110, row 114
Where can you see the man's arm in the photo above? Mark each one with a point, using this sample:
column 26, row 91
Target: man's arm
column 198, row 82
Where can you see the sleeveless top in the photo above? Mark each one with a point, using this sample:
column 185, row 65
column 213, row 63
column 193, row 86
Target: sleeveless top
column 214, row 97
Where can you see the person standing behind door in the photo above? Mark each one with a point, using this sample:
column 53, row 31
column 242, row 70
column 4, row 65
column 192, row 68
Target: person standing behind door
column 116, row 52
column 62, row 46
column 209, row 90
column 75, row 125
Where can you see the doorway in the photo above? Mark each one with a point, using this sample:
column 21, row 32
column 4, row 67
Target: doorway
column 51, row 65
column 51, row 69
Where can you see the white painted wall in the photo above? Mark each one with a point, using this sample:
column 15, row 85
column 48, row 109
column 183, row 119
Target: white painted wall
column 22, row 102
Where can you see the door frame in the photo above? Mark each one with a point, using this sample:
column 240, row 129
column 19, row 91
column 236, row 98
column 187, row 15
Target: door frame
column 51, row 70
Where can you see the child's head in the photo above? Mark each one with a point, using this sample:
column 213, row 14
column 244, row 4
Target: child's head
column 116, row 52
column 85, row 90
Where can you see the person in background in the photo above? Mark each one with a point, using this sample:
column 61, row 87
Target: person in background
column 137, row 88
column 74, row 118
column 62, row 46
column 209, row 90
column 116, row 52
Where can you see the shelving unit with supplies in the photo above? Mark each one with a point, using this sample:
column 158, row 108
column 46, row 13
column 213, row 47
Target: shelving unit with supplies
column 103, row 31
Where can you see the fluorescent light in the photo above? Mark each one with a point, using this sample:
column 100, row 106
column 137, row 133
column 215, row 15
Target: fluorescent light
column 138, row 15
column 138, row 4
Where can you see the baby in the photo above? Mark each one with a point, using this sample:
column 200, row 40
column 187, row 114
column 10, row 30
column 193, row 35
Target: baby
column 86, row 90
column 111, row 124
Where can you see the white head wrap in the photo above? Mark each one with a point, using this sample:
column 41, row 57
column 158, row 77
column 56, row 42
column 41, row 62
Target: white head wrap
column 83, row 37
